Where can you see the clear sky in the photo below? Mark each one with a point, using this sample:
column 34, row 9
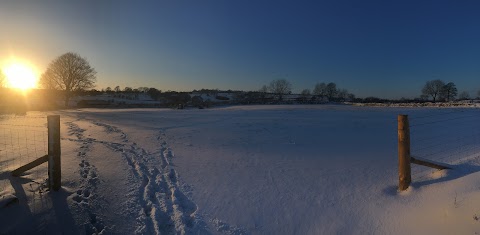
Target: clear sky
column 372, row 48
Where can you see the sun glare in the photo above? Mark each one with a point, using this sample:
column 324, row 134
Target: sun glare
column 20, row 76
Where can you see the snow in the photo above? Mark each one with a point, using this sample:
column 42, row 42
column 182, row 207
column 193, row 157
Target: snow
column 279, row 169
column 452, row 104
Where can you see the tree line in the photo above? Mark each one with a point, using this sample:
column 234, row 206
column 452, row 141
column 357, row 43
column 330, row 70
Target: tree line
column 323, row 91
column 438, row 90
column 72, row 74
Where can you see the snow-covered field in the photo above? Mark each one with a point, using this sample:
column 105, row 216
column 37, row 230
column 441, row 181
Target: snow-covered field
column 317, row 169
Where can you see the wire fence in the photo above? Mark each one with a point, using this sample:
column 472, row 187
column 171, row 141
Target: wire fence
column 22, row 140
column 449, row 136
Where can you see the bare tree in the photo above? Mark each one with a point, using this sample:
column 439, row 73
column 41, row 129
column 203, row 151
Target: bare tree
column 449, row 91
column 70, row 73
column 280, row 87
column 433, row 88
column 320, row 89
column 331, row 90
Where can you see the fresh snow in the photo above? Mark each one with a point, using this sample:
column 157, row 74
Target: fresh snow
column 279, row 169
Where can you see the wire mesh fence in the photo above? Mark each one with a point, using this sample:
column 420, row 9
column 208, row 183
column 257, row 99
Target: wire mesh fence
column 22, row 140
column 449, row 136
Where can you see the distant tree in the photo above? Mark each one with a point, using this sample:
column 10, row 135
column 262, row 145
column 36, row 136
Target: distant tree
column 342, row 94
column 91, row 92
column 262, row 93
column 117, row 89
column 154, row 93
column 331, row 90
column 69, row 72
column 305, row 92
column 108, row 90
column 263, row 89
column 128, row 89
column 320, row 89
column 304, row 95
column 449, row 91
column 433, row 89
column 280, row 87
column 464, row 96
column 143, row 89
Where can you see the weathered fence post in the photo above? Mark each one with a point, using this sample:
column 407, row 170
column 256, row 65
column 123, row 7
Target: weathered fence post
column 404, row 170
column 54, row 164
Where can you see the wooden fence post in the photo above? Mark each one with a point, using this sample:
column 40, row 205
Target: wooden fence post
column 54, row 152
column 404, row 170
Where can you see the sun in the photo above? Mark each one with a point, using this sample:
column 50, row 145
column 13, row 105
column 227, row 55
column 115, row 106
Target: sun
column 20, row 76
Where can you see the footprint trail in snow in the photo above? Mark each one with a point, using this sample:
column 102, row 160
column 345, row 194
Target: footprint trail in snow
column 155, row 197
column 86, row 198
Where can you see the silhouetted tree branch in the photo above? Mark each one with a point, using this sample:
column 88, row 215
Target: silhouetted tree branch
column 449, row 91
column 320, row 90
column 280, row 87
column 433, row 88
column 70, row 73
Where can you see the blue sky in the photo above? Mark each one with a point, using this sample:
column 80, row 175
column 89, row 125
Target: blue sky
column 372, row 48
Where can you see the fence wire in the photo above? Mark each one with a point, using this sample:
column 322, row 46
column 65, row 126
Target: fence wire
column 22, row 140
column 450, row 136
